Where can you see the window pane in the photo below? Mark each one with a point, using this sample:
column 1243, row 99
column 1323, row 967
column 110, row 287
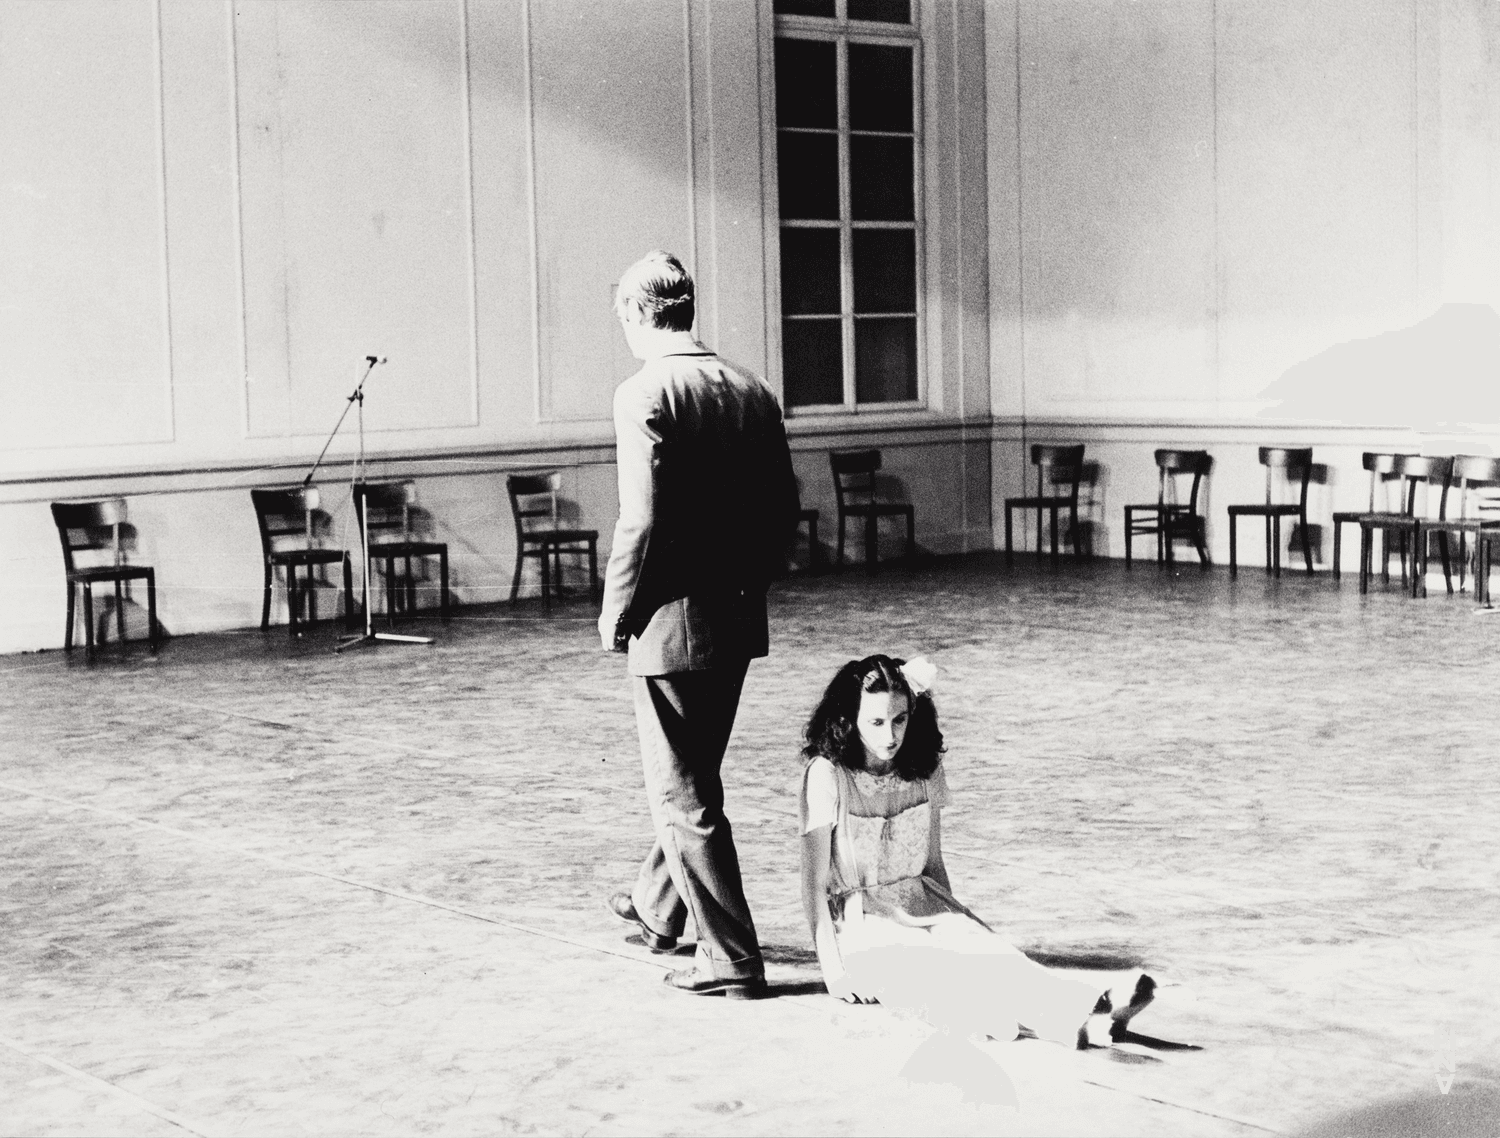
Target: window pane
column 880, row 178
column 886, row 11
column 807, row 171
column 879, row 87
column 885, row 270
column 809, row 8
column 810, row 271
column 806, row 84
column 812, row 362
column 885, row 359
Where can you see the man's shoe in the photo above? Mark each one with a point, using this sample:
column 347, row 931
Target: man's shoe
column 624, row 909
column 738, row 988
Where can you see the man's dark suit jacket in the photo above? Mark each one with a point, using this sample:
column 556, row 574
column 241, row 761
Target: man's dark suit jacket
column 708, row 506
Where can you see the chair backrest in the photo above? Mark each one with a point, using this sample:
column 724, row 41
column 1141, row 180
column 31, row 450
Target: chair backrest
column 81, row 527
column 386, row 505
column 1428, row 469
column 1058, row 466
column 1170, row 463
column 525, row 491
column 1382, row 468
column 1289, row 460
column 854, row 473
column 285, row 514
column 1475, row 471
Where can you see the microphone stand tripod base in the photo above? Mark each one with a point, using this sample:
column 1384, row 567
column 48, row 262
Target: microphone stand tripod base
column 370, row 637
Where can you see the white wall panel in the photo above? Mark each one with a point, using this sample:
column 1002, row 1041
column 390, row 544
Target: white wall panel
column 355, row 191
column 84, row 320
column 610, row 114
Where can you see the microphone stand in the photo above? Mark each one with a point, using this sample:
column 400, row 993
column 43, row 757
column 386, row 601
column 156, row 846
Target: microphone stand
column 369, row 636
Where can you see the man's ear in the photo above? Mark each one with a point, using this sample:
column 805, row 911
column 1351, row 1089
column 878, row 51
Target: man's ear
column 630, row 311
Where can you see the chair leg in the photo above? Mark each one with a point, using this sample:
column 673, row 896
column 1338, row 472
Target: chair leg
column 1233, row 544
column 872, row 540
column 515, row 581
column 390, row 596
column 348, row 593
column 1039, row 553
column 411, row 590
column 1274, row 537
column 546, row 581
column 594, row 561
column 1364, row 558
column 153, row 634
column 120, row 610
column 1338, row 529
column 88, row 618
column 1270, row 549
column 1419, row 563
column 1009, row 555
column 291, row 598
column 443, row 602
column 1447, row 561
column 1128, row 535
column 1200, row 539
column 265, row 604
column 68, row 635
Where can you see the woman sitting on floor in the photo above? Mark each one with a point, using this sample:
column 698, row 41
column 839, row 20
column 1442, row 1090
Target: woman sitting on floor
column 875, row 890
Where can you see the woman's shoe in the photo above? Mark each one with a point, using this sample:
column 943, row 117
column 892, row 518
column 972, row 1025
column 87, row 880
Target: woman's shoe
column 1142, row 994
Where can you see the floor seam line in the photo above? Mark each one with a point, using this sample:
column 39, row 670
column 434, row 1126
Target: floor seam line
column 143, row 1103
column 1183, row 1106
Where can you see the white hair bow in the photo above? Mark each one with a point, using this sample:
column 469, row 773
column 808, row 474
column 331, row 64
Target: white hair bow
column 919, row 674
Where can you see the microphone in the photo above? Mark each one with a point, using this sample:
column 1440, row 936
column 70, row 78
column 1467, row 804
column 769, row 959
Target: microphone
column 371, row 360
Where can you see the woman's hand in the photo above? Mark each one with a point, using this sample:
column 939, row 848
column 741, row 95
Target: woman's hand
column 845, row 991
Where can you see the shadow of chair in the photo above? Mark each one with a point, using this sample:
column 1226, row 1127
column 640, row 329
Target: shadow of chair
column 814, row 550
column 1382, row 469
column 1473, row 472
column 1168, row 518
column 94, row 527
column 854, row 485
column 289, row 542
column 1273, row 459
column 1414, row 470
column 534, row 505
column 1055, row 466
column 387, row 508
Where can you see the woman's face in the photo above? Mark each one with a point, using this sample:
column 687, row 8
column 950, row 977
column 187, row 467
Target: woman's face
column 883, row 716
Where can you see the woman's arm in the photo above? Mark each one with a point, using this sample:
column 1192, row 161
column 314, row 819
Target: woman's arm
column 935, row 868
column 817, row 853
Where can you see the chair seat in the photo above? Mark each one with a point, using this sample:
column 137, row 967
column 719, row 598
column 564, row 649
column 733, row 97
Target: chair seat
column 306, row 556
column 1034, row 503
column 408, row 548
column 111, row 573
column 561, row 536
column 1379, row 518
column 1457, row 525
column 1280, row 509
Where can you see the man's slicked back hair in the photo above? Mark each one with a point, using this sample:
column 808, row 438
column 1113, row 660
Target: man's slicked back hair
column 663, row 289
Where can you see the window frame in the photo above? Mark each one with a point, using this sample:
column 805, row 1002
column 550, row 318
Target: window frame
column 842, row 31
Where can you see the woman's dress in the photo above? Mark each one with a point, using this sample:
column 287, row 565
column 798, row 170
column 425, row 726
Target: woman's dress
column 902, row 936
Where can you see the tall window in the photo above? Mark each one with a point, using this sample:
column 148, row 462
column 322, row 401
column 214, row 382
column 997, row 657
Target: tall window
column 848, row 156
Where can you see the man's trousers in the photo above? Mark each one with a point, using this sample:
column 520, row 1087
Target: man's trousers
column 684, row 721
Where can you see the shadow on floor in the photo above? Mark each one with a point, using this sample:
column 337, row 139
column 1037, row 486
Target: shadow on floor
column 1469, row 1110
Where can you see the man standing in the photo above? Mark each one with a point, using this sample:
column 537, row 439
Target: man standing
column 708, row 505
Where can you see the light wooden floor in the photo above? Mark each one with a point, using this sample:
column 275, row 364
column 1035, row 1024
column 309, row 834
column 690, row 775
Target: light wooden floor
column 251, row 887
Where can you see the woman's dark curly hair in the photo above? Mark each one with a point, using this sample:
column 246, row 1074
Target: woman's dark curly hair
column 832, row 731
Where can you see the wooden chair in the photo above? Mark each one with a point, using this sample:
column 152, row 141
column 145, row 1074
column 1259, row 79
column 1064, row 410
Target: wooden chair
column 1472, row 472
column 288, row 541
column 547, row 541
column 1168, row 518
column 387, row 508
column 854, row 484
column 1414, row 470
column 1276, row 458
column 87, row 527
column 1055, row 466
column 1382, row 468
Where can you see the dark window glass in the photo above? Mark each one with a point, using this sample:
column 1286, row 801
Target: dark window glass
column 810, row 271
column 807, row 171
column 886, row 11
column 807, row 84
column 812, row 358
column 880, row 178
column 879, row 87
column 812, row 8
column 885, row 359
column 885, row 270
